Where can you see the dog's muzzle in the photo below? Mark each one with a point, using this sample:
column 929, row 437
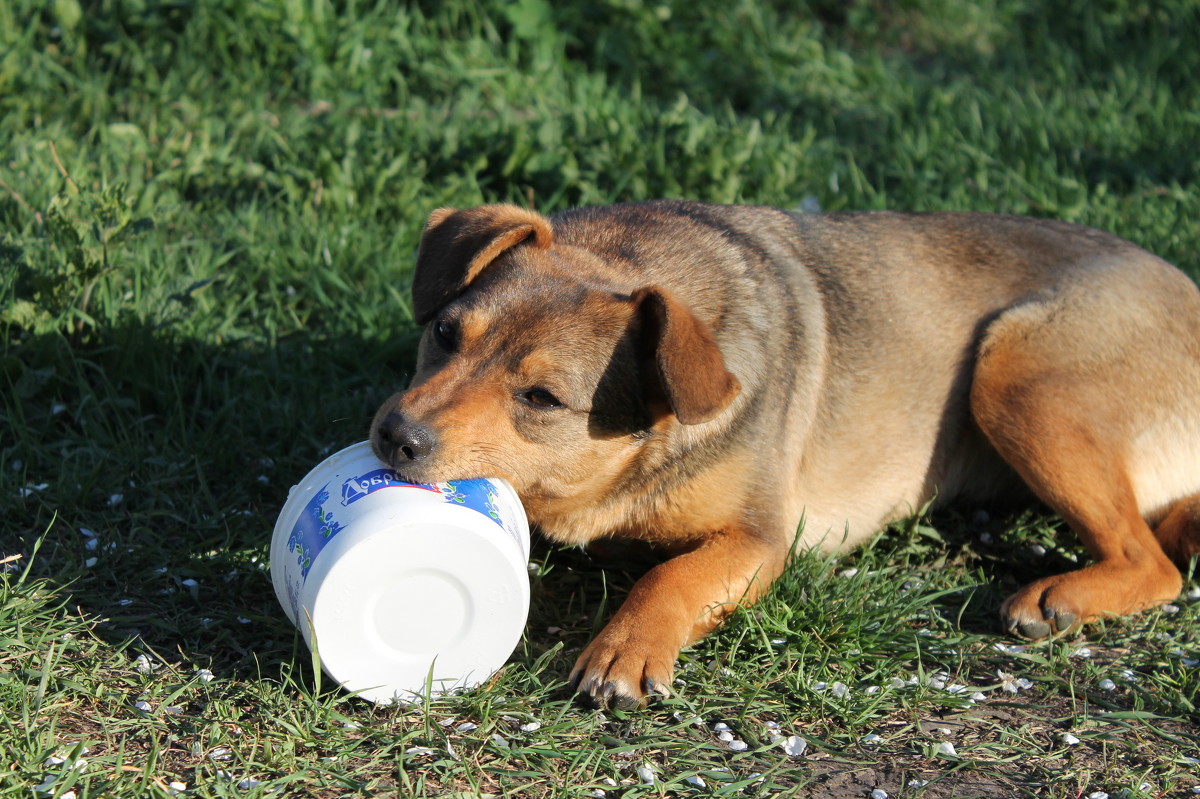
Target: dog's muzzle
column 400, row 441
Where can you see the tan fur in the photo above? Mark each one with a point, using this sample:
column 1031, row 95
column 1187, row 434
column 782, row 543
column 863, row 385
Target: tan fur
column 705, row 378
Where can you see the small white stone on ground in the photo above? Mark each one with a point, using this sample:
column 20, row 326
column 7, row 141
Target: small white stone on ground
column 142, row 705
column 738, row 746
column 720, row 726
column 204, row 674
column 646, row 774
column 839, row 689
column 500, row 742
column 871, row 738
column 696, row 780
column 879, row 793
column 1069, row 739
column 725, row 735
column 946, row 748
column 467, row 726
column 1107, row 685
column 532, row 726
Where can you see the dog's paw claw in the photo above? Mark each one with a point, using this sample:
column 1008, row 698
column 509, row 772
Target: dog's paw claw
column 1034, row 630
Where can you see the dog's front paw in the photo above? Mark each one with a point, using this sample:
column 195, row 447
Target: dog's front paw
column 621, row 672
column 1059, row 604
column 1040, row 610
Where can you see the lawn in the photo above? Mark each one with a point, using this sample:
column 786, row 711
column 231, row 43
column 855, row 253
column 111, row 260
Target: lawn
column 208, row 215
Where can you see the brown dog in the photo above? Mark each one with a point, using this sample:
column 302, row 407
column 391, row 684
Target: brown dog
column 712, row 379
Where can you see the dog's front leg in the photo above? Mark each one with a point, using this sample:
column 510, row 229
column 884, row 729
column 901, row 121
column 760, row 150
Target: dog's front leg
column 674, row 604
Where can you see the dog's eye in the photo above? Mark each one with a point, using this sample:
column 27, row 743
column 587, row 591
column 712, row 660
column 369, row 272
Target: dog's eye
column 540, row 398
column 444, row 333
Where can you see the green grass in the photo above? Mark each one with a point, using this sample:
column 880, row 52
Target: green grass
column 163, row 383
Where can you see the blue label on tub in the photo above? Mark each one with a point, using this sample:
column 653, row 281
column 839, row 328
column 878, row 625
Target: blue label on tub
column 320, row 521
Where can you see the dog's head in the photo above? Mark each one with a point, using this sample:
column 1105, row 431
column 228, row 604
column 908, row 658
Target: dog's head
column 541, row 362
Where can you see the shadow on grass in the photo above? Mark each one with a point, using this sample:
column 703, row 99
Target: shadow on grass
column 155, row 468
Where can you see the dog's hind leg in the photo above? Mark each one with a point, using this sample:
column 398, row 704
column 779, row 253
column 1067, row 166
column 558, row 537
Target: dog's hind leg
column 1179, row 530
column 1064, row 401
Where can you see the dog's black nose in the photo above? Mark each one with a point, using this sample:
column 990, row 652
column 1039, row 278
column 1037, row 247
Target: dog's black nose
column 404, row 439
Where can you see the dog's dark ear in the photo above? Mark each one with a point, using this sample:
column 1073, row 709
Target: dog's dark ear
column 457, row 245
column 689, row 364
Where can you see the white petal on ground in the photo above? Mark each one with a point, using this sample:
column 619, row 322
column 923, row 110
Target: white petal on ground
column 532, row 726
column 142, row 705
column 839, row 689
column 204, row 674
column 1107, row 685
column 143, row 665
column 646, row 774
column 1069, row 739
column 467, row 726
column 738, row 746
column 879, row 793
column 247, row 783
column 696, row 780
column 946, row 748
column 794, row 746
column 725, row 735
column 871, row 738
column 720, row 726
column 500, row 742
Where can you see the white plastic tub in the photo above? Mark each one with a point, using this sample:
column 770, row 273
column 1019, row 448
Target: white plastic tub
column 399, row 586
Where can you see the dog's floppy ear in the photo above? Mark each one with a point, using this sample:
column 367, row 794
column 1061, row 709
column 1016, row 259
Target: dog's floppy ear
column 457, row 245
column 689, row 364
